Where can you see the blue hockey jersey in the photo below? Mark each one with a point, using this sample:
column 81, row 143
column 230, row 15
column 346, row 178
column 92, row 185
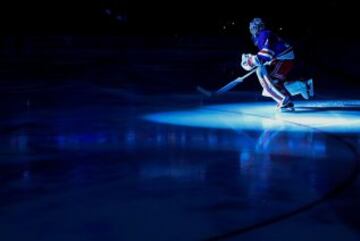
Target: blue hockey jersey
column 272, row 47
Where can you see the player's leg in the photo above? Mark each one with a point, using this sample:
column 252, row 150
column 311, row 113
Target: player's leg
column 281, row 70
column 300, row 87
column 297, row 88
column 282, row 98
column 310, row 87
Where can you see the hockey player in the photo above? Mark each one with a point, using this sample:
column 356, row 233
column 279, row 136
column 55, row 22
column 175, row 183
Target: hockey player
column 274, row 61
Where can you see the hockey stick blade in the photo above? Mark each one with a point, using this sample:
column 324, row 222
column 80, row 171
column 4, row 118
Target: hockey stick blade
column 204, row 91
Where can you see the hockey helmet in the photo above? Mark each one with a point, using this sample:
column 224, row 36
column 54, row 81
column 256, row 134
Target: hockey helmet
column 255, row 26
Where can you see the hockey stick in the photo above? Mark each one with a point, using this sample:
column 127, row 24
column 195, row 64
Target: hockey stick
column 230, row 85
column 204, row 91
column 234, row 83
column 225, row 88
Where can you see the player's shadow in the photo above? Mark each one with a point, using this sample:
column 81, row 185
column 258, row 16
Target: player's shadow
column 311, row 109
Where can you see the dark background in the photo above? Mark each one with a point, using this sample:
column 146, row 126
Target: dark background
column 171, row 45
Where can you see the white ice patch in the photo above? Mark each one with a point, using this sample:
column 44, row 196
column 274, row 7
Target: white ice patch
column 330, row 116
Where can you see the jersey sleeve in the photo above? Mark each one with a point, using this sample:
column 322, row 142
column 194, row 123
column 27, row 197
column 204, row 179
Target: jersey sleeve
column 265, row 44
